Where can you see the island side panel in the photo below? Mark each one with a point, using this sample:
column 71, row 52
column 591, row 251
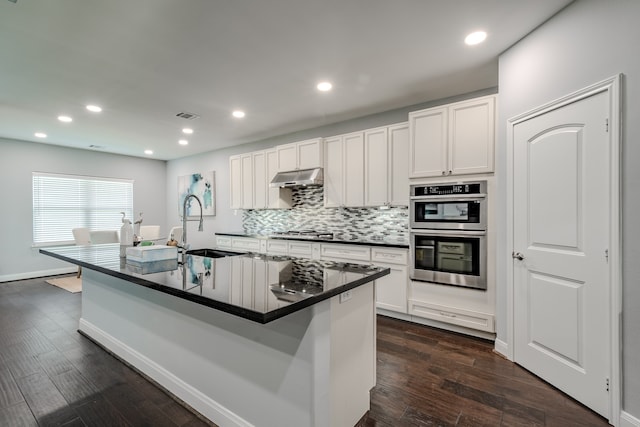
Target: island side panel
column 353, row 354
column 232, row 370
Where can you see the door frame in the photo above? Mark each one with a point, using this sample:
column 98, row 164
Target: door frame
column 612, row 87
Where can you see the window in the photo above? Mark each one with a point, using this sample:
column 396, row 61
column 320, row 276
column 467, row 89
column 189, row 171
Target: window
column 64, row 202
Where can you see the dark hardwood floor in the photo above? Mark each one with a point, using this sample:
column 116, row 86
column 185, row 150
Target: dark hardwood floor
column 50, row 375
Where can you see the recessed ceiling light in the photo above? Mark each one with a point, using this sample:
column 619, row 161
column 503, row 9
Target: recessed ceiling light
column 183, row 142
column 475, row 38
column 40, row 135
column 324, row 86
column 94, row 108
column 188, row 131
column 65, row 119
column 148, row 152
column 238, row 114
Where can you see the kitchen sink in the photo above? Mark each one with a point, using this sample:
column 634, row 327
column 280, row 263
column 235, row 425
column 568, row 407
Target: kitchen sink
column 212, row 253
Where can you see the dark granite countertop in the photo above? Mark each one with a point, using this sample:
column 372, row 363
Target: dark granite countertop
column 281, row 285
column 389, row 242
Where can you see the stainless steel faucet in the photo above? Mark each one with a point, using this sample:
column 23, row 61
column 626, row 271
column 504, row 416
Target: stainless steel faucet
column 184, row 245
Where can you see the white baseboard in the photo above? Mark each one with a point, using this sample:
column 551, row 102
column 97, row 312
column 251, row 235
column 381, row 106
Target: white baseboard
column 183, row 391
column 35, row 274
column 501, row 348
column 628, row 420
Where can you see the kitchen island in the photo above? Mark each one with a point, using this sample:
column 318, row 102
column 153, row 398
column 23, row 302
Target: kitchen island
column 244, row 340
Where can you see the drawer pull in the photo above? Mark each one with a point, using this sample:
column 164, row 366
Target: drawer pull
column 445, row 314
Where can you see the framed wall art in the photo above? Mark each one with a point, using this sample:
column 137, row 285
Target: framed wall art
column 202, row 185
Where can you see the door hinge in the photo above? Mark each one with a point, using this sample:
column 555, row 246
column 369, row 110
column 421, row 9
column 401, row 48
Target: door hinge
column 606, row 254
column 607, row 384
column 606, row 125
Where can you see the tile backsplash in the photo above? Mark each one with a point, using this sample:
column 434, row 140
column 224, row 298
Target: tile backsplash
column 308, row 213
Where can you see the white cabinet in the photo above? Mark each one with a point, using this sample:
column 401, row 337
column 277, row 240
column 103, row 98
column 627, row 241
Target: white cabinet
column 453, row 315
column 386, row 165
column 453, row 139
column 344, row 170
column 300, row 155
column 398, row 139
column 245, row 244
column 247, row 181
column 276, row 197
column 277, row 247
column 250, row 175
column 235, row 182
column 259, row 185
column 391, row 290
column 376, row 167
column 342, row 252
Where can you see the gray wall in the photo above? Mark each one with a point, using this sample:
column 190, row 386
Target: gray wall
column 18, row 159
column 587, row 42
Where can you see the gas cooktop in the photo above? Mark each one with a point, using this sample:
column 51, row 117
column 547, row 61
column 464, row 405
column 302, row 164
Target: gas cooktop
column 304, row 234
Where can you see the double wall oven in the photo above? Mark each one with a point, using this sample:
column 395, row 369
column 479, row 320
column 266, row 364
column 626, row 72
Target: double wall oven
column 448, row 233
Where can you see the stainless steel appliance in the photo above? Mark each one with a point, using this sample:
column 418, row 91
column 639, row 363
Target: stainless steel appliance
column 448, row 234
column 451, row 206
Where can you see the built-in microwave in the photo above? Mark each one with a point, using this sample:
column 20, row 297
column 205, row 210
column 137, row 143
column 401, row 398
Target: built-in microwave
column 449, row 257
column 449, row 206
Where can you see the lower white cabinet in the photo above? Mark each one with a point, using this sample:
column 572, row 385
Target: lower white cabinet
column 451, row 304
column 349, row 253
column 391, row 290
column 277, row 247
column 300, row 249
column 453, row 315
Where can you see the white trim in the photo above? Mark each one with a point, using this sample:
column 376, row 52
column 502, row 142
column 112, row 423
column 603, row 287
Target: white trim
column 36, row 274
column 628, row 420
column 501, row 347
column 196, row 399
column 612, row 87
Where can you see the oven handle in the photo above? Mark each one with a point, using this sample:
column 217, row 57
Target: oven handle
column 479, row 196
column 447, row 233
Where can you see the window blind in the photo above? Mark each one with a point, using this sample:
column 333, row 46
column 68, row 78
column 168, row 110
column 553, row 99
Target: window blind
column 64, row 202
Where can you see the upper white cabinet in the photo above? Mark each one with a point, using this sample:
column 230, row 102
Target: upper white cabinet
column 344, row 170
column 235, row 178
column 300, row 155
column 250, row 175
column 246, row 161
column 276, row 197
column 398, row 138
column 453, row 139
column 386, row 166
column 260, row 184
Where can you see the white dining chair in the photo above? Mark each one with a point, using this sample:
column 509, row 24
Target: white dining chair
column 104, row 236
column 82, row 237
column 149, row 232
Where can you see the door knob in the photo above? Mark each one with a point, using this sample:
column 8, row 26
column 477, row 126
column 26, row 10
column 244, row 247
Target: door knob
column 517, row 255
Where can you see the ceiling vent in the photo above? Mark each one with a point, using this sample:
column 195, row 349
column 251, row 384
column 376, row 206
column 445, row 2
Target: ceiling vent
column 96, row 147
column 187, row 116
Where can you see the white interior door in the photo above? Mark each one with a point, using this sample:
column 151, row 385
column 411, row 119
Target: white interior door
column 561, row 235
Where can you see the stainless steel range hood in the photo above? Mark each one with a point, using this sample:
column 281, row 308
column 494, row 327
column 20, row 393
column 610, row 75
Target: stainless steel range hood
column 299, row 178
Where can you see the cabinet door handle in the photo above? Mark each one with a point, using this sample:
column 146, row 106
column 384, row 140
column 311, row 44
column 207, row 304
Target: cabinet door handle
column 444, row 172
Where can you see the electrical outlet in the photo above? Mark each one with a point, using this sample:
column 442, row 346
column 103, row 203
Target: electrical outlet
column 345, row 296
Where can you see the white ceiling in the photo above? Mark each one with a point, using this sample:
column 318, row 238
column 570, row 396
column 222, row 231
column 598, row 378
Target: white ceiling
column 144, row 61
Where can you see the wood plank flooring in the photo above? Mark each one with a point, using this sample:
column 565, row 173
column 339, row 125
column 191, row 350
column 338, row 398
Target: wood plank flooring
column 50, row 375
